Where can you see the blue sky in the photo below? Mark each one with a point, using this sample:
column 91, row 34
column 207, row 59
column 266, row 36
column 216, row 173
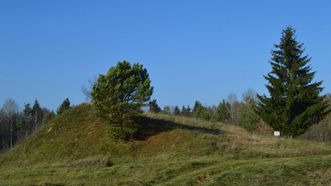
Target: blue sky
column 193, row 50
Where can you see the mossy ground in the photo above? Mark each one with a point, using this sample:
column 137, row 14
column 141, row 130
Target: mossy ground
column 75, row 149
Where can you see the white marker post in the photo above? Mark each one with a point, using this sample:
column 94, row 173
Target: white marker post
column 277, row 133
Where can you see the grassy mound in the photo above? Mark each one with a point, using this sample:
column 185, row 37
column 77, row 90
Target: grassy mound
column 75, row 149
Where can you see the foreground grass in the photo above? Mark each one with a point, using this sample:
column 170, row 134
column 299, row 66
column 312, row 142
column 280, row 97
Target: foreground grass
column 164, row 171
column 76, row 150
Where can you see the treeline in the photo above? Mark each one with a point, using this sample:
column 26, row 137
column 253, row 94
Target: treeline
column 229, row 110
column 16, row 124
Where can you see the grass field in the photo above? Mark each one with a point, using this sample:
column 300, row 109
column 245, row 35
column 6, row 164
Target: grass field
column 74, row 149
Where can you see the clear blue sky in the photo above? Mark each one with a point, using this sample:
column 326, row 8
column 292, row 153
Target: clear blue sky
column 192, row 49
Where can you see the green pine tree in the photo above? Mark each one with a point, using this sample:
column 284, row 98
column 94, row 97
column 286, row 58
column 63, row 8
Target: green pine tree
column 222, row 112
column 119, row 95
column 295, row 103
column 64, row 106
column 186, row 111
column 199, row 111
column 153, row 107
column 176, row 111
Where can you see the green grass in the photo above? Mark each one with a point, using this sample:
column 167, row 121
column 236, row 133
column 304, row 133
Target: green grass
column 75, row 149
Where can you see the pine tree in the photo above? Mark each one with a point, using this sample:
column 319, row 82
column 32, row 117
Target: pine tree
column 199, row 111
column 166, row 110
column 119, row 95
column 186, row 111
column 64, row 106
column 222, row 112
column 295, row 103
column 153, row 107
column 37, row 115
column 176, row 111
column 27, row 119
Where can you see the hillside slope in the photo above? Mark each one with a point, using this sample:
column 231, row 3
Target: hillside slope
column 75, row 149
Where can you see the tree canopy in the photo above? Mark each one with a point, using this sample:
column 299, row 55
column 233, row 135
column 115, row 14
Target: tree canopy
column 294, row 103
column 119, row 95
column 64, row 106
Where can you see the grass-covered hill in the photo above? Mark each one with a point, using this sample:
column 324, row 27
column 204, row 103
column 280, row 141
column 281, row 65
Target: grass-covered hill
column 74, row 149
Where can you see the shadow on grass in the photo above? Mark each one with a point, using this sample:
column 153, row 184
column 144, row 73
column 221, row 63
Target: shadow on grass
column 149, row 126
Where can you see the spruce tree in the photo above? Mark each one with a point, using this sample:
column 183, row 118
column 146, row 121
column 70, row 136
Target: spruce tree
column 176, row 111
column 199, row 111
column 153, row 107
column 295, row 103
column 64, row 106
column 222, row 112
column 186, row 111
column 37, row 115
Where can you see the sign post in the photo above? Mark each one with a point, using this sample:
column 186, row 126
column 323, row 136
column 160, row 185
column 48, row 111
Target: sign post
column 277, row 133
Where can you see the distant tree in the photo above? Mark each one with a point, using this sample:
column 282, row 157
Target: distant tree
column 176, row 111
column 248, row 119
column 27, row 121
column 186, row 111
column 48, row 115
column 234, row 108
column 119, row 95
column 64, row 106
column 87, row 89
column 9, row 109
column 27, row 110
column 295, row 103
column 249, row 97
column 222, row 112
column 166, row 110
column 199, row 111
column 328, row 99
column 4, row 131
column 232, row 98
column 37, row 115
column 154, row 107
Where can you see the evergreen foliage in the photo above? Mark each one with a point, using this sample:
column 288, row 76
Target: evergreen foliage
column 176, row 111
column 119, row 95
column 153, row 107
column 199, row 111
column 186, row 111
column 222, row 112
column 64, row 106
column 27, row 121
column 295, row 103
column 37, row 115
column 248, row 119
column 166, row 110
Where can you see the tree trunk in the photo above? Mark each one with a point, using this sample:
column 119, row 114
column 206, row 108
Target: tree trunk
column 11, row 133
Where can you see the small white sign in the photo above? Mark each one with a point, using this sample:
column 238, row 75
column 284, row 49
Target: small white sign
column 276, row 133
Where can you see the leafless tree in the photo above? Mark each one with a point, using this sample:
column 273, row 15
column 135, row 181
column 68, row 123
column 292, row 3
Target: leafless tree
column 249, row 96
column 10, row 108
column 234, row 105
column 87, row 89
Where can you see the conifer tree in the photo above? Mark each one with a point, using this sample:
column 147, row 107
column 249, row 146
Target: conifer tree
column 176, row 111
column 222, row 112
column 199, row 111
column 295, row 103
column 153, row 107
column 64, row 106
column 37, row 115
column 119, row 95
column 27, row 119
column 186, row 111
